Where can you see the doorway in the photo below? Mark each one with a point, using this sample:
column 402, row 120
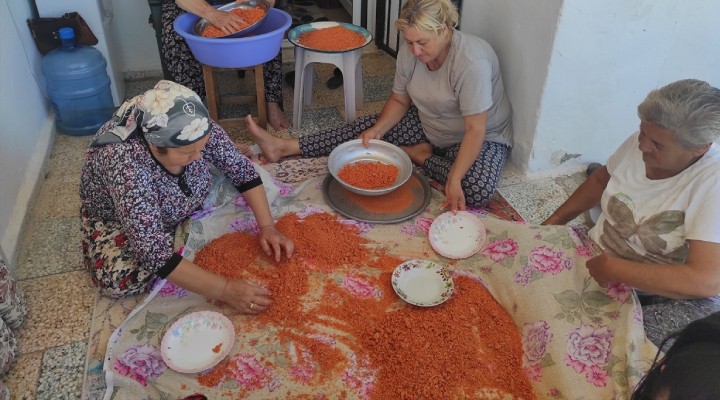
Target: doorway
column 387, row 37
column 307, row 11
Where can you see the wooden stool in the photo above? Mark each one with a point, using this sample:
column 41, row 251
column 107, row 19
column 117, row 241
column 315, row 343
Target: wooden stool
column 214, row 99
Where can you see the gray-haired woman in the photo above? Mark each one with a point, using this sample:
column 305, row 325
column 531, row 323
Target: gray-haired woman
column 448, row 109
column 660, row 199
column 145, row 172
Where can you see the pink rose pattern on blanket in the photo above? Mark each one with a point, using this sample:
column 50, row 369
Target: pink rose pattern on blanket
column 577, row 337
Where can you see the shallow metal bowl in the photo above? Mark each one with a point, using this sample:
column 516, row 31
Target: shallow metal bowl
column 204, row 23
column 378, row 150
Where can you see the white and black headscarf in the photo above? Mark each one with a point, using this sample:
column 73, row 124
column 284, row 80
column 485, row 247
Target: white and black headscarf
column 168, row 115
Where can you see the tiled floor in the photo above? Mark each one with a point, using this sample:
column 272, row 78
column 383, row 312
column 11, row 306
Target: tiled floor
column 56, row 338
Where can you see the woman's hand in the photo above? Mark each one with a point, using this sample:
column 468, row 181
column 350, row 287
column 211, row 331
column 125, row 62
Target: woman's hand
column 598, row 267
column 226, row 21
column 554, row 220
column 245, row 296
column 454, row 196
column 368, row 134
column 273, row 242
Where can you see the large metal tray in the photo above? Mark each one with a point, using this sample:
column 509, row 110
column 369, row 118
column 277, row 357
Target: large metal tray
column 343, row 201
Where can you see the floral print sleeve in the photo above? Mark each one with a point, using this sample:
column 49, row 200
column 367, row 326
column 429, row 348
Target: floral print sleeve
column 223, row 154
column 138, row 207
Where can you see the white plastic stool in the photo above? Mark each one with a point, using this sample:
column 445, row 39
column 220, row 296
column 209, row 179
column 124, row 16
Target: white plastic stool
column 349, row 64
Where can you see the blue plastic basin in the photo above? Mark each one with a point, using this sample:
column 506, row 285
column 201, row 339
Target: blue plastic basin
column 258, row 48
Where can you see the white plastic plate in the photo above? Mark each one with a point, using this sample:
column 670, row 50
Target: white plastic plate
column 197, row 341
column 458, row 235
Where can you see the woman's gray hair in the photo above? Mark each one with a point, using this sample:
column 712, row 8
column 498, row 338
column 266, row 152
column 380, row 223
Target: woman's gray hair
column 427, row 15
column 689, row 108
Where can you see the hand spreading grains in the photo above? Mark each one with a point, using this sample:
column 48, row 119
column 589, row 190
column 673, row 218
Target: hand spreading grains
column 249, row 15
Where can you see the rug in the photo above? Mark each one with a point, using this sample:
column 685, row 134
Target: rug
column 577, row 338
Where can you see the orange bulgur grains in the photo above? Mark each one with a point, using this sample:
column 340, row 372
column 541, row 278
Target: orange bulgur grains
column 335, row 38
column 249, row 15
column 393, row 202
column 455, row 350
column 216, row 375
column 368, row 174
column 324, row 241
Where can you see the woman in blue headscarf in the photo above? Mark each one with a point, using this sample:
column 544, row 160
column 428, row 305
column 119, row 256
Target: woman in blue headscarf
column 146, row 171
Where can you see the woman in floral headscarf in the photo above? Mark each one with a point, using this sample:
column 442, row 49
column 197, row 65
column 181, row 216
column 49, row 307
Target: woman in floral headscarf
column 145, row 172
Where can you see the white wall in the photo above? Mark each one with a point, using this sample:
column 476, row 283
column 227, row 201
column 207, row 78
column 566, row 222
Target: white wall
column 134, row 37
column 575, row 70
column 607, row 56
column 522, row 33
column 26, row 122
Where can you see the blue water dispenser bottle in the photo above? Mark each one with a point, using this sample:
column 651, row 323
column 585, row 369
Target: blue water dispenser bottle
column 78, row 86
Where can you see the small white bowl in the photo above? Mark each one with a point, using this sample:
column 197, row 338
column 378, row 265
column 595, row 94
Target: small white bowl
column 378, row 150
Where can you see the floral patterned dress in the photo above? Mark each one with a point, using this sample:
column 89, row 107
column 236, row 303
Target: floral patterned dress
column 13, row 309
column 131, row 205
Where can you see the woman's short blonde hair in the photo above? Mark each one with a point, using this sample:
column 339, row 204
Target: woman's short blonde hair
column 427, row 15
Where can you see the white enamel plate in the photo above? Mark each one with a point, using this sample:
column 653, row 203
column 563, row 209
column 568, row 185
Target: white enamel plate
column 197, row 341
column 458, row 235
column 422, row 283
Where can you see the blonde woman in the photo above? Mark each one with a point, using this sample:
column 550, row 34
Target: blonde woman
column 448, row 109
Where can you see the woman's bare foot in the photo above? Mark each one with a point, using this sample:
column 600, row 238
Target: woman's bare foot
column 272, row 147
column 418, row 153
column 277, row 117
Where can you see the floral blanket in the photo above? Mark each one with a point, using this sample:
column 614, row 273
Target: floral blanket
column 578, row 339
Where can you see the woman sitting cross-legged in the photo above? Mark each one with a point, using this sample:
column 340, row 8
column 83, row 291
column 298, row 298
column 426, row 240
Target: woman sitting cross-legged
column 448, row 109
column 660, row 199
column 146, row 171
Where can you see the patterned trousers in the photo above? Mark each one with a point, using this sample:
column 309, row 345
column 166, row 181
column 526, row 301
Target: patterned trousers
column 663, row 316
column 479, row 182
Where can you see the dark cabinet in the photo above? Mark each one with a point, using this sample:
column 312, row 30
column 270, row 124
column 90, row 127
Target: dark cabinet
column 156, row 22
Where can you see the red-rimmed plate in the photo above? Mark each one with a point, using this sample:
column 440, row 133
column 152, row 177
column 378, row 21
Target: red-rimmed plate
column 197, row 341
column 422, row 283
column 457, row 236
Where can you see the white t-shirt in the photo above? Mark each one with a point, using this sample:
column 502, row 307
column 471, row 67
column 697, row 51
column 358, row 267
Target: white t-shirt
column 650, row 220
column 467, row 83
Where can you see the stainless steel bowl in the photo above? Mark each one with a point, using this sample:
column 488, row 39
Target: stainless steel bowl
column 378, row 150
column 264, row 5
